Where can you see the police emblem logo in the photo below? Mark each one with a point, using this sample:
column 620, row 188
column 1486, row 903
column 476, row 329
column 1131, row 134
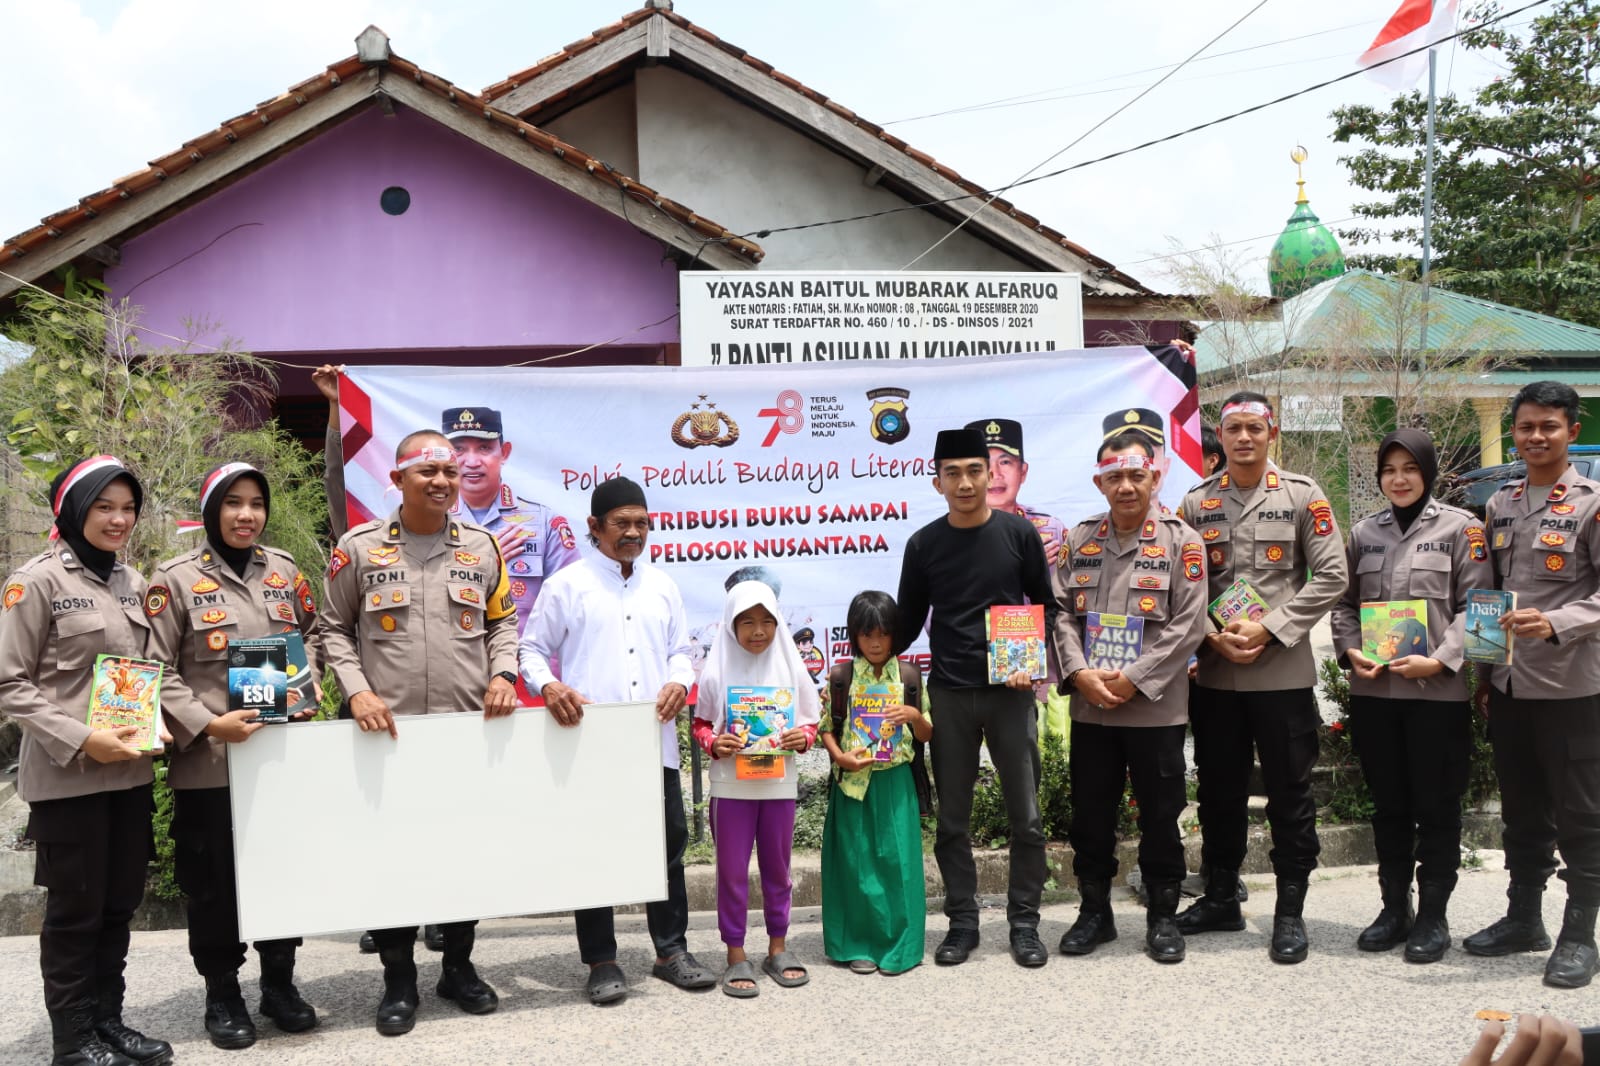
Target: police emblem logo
column 1217, row 557
column 521, row 566
column 1274, row 553
column 337, row 561
column 1477, row 548
column 1082, row 579
column 387, row 623
column 1154, row 551
column 889, row 422
column 471, row 595
column 1321, row 517
column 213, row 616
column 204, row 585
column 285, row 612
column 466, row 619
column 1211, row 503
column 1552, row 540
column 1212, row 533
column 564, row 533
column 467, row 559
column 308, row 602
column 1148, row 582
column 1090, row 548
column 13, row 595
column 1564, row 508
column 1080, row 602
column 276, row 580
column 1147, row 604
column 216, row 640
column 156, row 598
column 519, row 589
column 703, row 426
column 1555, row 562
column 1192, row 555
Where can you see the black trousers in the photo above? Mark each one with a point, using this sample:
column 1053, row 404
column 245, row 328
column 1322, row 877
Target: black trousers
column 1102, row 758
column 405, row 936
column 1280, row 728
column 1006, row 719
column 668, row 918
column 1547, row 757
column 202, row 840
column 93, row 852
column 1415, row 756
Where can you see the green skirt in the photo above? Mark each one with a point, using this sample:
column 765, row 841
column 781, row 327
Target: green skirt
column 874, row 898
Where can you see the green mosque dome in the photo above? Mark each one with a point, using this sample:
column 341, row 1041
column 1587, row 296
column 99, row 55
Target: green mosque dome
column 1305, row 252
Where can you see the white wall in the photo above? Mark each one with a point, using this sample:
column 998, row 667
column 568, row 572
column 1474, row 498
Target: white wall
column 604, row 127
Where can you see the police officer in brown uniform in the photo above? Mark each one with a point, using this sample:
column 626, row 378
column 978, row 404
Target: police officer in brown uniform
column 419, row 620
column 88, row 790
column 1131, row 705
column 1408, row 708
column 228, row 588
column 1268, row 527
column 1544, row 709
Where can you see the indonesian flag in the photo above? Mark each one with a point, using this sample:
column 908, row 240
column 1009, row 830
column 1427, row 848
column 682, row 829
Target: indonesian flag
column 1416, row 24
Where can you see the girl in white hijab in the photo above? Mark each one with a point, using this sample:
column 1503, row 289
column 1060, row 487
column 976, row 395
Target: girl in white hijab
column 754, row 668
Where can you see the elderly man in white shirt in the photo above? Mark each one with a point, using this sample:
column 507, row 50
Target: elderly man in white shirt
column 614, row 627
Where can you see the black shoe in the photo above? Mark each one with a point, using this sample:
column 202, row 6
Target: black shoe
column 74, row 1041
column 1393, row 923
column 606, row 984
column 433, row 938
column 227, row 1021
column 132, row 1044
column 1162, row 941
column 367, row 945
column 1027, row 948
column 397, row 1011
column 1218, row 910
column 1430, row 933
column 956, row 948
column 280, row 999
column 1574, row 962
column 459, row 982
column 1289, row 943
column 1522, row 929
column 1095, row 924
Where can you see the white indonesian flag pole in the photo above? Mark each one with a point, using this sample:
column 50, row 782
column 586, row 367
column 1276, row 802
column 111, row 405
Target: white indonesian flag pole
column 1417, row 24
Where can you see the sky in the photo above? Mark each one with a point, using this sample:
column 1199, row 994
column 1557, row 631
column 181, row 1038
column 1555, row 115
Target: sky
column 115, row 84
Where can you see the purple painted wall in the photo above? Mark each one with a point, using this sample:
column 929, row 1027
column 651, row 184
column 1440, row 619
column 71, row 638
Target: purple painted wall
column 298, row 257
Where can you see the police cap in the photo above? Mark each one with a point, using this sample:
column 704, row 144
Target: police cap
column 471, row 422
column 1135, row 420
column 1002, row 433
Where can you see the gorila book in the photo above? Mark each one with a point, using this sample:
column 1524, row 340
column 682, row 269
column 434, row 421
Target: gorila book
column 126, row 691
column 1393, row 629
column 1016, row 640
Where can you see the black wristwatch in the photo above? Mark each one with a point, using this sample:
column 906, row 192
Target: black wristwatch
column 508, row 675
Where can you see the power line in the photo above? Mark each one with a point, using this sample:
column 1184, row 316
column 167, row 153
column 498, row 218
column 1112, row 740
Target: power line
column 1087, row 133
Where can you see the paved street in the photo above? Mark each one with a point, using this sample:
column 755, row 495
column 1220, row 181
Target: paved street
column 1227, row 1003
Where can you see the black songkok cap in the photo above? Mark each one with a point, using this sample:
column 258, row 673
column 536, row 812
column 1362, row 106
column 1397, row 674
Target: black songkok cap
column 960, row 444
column 618, row 492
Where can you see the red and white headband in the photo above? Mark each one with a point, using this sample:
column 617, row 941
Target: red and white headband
column 1248, row 407
column 221, row 474
column 432, row 453
column 1126, row 461
column 79, row 472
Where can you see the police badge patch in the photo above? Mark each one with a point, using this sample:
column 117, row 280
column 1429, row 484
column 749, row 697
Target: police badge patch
column 1477, row 546
column 337, row 562
column 1555, row 562
column 1321, row 517
column 1147, row 604
column 156, row 598
column 1192, row 557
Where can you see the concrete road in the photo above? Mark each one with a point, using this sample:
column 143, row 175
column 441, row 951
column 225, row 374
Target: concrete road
column 1227, row 1004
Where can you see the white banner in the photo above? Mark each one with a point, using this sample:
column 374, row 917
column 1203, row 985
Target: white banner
column 814, row 476
column 778, row 317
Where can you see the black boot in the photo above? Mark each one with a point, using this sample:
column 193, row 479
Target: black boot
column 74, row 1042
column 1289, row 943
column 433, row 938
column 1430, row 934
column 1218, row 910
column 458, row 980
column 1522, row 929
column 227, row 1021
column 125, row 1040
column 1095, row 925
column 397, row 1012
column 1574, row 962
column 1162, row 941
column 280, row 999
column 1393, row 923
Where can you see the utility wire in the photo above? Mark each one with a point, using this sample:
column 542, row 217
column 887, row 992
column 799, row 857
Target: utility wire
column 1086, row 133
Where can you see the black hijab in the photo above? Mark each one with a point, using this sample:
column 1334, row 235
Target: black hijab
column 213, row 490
column 1420, row 445
column 74, row 491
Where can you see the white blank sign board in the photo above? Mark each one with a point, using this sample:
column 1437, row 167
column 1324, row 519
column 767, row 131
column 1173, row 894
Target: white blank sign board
column 460, row 817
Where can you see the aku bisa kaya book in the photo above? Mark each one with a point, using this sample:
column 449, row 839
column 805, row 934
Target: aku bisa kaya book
column 1016, row 640
column 1111, row 641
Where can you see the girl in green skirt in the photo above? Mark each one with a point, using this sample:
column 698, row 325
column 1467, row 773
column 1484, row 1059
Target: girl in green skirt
column 874, row 907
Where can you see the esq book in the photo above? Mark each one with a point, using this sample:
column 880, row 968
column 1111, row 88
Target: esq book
column 258, row 677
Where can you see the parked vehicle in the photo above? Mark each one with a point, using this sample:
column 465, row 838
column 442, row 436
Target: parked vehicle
column 1473, row 488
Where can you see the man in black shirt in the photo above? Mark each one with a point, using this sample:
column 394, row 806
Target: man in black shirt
column 958, row 567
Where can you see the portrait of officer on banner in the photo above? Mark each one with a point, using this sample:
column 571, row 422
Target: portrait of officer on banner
column 534, row 540
column 1144, row 421
column 1007, row 471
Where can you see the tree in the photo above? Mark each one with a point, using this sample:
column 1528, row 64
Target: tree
column 89, row 386
column 1515, row 171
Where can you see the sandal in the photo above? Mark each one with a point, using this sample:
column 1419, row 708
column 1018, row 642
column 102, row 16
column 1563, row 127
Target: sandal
column 740, row 971
column 863, row 966
column 774, row 965
column 606, row 984
column 684, row 971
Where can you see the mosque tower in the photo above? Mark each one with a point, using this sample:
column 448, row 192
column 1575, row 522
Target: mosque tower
column 1305, row 252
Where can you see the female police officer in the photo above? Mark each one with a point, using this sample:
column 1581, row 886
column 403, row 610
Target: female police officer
column 89, row 790
column 1409, row 714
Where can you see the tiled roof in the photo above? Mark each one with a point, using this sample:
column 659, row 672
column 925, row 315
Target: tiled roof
column 253, row 122
column 634, row 18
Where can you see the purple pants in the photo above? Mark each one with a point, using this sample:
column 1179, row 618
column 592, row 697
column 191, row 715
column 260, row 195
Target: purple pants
column 768, row 827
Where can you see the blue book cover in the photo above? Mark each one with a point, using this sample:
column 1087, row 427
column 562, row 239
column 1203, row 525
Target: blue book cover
column 1486, row 642
column 258, row 677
